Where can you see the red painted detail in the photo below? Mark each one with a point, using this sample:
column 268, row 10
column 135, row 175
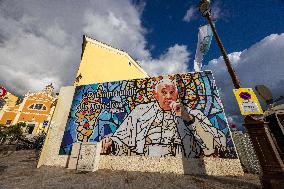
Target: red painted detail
column 3, row 91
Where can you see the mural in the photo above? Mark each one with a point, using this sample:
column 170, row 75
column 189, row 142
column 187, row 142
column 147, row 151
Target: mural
column 174, row 115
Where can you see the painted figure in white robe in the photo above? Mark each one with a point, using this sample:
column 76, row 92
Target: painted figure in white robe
column 165, row 128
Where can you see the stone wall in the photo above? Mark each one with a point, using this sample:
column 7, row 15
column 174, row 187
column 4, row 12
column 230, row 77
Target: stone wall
column 200, row 166
column 50, row 153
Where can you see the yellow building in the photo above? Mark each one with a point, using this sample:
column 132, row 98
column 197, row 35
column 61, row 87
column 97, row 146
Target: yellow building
column 35, row 110
column 9, row 99
column 103, row 63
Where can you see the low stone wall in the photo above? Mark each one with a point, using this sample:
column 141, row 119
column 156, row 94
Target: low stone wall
column 223, row 167
column 202, row 166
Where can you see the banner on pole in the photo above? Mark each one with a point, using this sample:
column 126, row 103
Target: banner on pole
column 248, row 102
column 204, row 40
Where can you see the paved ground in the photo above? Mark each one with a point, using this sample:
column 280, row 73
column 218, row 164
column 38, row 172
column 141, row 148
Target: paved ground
column 18, row 170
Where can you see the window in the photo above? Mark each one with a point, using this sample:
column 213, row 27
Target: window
column 38, row 106
column 8, row 122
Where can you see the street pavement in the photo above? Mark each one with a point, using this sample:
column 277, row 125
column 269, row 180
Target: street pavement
column 18, row 170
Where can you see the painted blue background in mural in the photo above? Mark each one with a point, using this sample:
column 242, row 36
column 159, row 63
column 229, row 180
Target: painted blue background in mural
column 107, row 122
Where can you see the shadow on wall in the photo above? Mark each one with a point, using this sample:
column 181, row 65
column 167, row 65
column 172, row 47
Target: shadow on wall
column 194, row 166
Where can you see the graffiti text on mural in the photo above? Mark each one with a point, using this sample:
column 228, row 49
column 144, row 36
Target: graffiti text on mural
column 106, row 94
column 110, row 105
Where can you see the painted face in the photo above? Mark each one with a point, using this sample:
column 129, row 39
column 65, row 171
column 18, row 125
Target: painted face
column 166, row 94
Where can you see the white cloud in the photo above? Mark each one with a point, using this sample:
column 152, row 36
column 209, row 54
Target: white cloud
column 118, row 25
column 31, row 60
column 216, row 10
column 219, row 11
column 45, row 43
column 174, row 60
column 262, row 63
column 191, row 14
column 121, row 26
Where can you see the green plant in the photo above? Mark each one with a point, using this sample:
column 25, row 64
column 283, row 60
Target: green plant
column 3, row 134
column 15, row 130
column 12, row 132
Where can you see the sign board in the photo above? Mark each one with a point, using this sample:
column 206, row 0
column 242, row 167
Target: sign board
column 248, row 102
column 88, row 158
column 45, row 123
column 74, row 156
column 3, row 91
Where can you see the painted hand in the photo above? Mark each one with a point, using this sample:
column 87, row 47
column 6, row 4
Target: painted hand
column 176, row 108
column 181, row 111
column 106, row 145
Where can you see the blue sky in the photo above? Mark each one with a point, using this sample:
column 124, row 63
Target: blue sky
column 241, row 24
column 40, row 41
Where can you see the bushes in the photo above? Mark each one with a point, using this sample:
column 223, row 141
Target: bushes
column 12, row 132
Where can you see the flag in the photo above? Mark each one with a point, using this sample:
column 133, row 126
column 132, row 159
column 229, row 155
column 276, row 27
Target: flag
column 204, row 40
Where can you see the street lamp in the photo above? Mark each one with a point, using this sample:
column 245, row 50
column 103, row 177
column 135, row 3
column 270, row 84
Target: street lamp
column 271, row 164
column 204, row 8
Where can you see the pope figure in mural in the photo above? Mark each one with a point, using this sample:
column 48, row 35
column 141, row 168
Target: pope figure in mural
column 165, row 128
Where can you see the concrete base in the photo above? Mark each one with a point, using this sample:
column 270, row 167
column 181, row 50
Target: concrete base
column 203, row 166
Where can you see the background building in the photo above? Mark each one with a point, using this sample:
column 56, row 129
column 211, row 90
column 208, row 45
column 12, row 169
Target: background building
column 35, row 110
column 9, row 100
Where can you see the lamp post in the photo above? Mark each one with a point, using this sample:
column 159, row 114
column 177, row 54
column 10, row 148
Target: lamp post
column 272, row 166
column 204, row 8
